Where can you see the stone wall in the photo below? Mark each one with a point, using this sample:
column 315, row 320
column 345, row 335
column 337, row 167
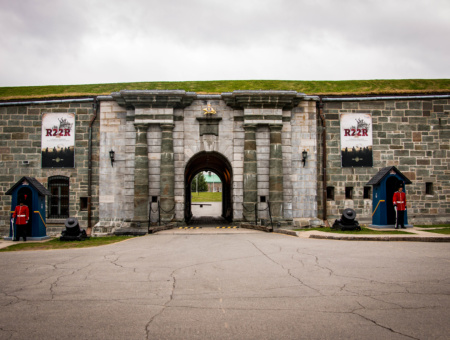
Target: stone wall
column 304, row 131
column 297, row 128
column 412, row 135
column 20, row 139
column 116, row 189
column 275, row 127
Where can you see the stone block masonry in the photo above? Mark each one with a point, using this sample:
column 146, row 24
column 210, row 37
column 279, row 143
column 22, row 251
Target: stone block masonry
column 161, row 137
column 20, row 140
column 304, row 177
column 253, row 134
column 412, row 135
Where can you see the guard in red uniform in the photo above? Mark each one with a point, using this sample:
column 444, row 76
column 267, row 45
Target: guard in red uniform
column 399, row 201
column 22, row 215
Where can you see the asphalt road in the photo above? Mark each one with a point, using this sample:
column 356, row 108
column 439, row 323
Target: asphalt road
column 228, row 285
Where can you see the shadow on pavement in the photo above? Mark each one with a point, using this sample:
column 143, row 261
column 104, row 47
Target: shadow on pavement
column 209, row 222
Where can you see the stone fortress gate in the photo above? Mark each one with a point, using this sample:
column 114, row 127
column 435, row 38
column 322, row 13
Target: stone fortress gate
column 253, row 140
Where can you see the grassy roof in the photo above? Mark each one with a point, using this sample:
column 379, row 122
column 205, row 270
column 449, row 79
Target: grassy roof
column 345, row 87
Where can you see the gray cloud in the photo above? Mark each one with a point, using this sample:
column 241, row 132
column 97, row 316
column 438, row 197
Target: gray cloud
column 65, row 42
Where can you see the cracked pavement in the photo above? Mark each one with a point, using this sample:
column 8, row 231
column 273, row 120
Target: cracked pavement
column 240, row 285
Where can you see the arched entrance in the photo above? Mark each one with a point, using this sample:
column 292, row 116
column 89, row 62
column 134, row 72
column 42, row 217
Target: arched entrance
column 217, row 163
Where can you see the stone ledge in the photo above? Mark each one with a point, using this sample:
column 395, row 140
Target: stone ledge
column 256, row 227
column 262, row 99
column 286, row 232
column 153, row 230
column 130, row 231
column 153, row 98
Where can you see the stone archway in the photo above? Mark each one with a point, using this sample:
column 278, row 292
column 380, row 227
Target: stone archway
column 217, row 163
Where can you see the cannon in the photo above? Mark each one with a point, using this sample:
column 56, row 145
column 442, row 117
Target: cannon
column 73, row 232
column 347, row 221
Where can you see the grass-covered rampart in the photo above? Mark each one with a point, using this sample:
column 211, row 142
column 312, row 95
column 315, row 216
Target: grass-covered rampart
column 345, row 87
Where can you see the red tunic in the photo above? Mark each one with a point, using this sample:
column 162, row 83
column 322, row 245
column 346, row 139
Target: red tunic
column 22, row 213
column 399, row 200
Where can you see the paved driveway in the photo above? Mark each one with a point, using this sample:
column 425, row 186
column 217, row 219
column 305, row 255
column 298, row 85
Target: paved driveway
column 206, row 209
column 228, row 285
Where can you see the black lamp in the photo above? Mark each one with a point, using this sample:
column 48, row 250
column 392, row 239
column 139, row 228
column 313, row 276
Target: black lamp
column 304, row 156
column 111, row 156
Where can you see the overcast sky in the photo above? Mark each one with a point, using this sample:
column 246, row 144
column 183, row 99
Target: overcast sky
column 46, row 42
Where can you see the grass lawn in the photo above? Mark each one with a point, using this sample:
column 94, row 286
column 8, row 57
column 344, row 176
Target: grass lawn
column 345, row 87
column 57, row 244
column 207, row 197
column 433, row 226
column 445, row 231
column 440, row 228
column 363, row 231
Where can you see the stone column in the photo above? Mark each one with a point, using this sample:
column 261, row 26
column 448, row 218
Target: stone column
column 167, row 198
column 276, row 173
column 141, row 182
column 250, row 173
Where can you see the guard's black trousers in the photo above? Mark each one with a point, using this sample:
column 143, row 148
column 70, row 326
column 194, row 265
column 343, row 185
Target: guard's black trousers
column 400, row 218
column 21, row 231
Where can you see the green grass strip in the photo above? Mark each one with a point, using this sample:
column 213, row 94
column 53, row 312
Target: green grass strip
column 207, row 197
column 433, row 226
column 57, row 244
column 344, row 87
column 445, row 231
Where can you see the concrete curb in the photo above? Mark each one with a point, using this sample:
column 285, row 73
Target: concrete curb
column 268, row 229
column 153, row 230
column 286, row 232
column 255, row 227
column 382, row 238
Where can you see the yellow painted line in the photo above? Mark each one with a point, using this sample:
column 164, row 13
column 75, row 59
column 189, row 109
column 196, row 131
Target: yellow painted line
column 377, row 206
column 37, row 212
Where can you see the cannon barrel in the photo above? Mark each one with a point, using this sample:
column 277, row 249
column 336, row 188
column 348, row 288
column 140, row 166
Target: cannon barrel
column 72, row 226
column 348, row 216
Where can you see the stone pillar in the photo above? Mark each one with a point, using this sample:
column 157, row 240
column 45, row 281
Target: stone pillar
column 276, row 173
column 250, row 173
column 167, row 198
column 141, row 175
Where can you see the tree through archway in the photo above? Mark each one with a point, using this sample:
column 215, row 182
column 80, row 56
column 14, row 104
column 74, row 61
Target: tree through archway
column 217, row 163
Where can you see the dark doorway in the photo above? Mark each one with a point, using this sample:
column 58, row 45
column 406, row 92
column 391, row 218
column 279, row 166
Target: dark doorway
column 392, row 185
column 26, row 195
column 217, row 163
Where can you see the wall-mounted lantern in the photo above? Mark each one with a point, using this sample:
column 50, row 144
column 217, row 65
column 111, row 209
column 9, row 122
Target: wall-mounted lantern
column 111, row 156
column 304, row 156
